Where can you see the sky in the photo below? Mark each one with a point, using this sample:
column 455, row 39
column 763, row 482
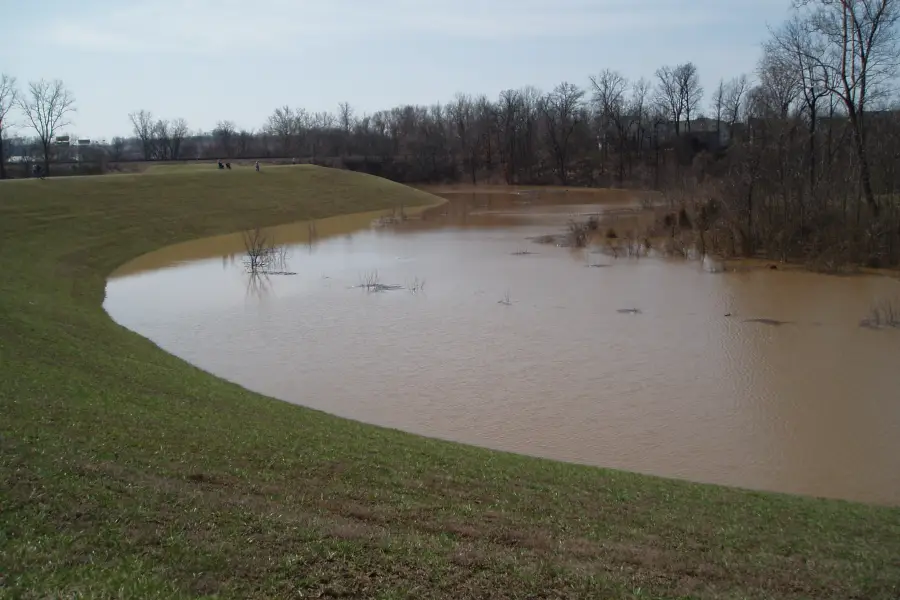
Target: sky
column 212, row 60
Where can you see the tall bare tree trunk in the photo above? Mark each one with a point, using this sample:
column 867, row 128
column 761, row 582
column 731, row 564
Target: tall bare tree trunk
column 864, row 172
column 2, row 159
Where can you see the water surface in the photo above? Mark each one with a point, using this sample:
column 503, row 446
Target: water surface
column 761, row 379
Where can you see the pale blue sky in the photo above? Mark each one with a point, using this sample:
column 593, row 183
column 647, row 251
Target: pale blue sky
column 207, row 60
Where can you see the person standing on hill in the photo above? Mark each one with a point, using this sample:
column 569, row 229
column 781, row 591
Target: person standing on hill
column 257, row 166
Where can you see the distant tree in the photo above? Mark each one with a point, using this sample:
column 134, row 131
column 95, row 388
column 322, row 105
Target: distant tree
column 794, row 44
column 467, row 137
column 611, row 108
column 178, row 130
column 859, row 48
column 717, row 103
column 244, row 143
column 487, row 130
column 142, row 125
column 735, row 98
column 8, row 96
column 47, row 106
column 690, row 91
column 321, row 124
column 562, row 114
column 224, row 134
column 284, row 124
column 779, row 81
column 639, row 109
column 668, row 96
column 161, row 140
column 117, row 148
column 346, row 121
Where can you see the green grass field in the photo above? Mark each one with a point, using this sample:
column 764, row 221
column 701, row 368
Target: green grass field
column 127, row 473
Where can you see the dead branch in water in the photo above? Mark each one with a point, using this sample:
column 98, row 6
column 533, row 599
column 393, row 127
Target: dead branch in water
column 417, row 286
column 372, row 283
column 767, row 321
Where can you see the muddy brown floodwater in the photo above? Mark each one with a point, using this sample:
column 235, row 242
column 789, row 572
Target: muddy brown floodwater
column 761, row 378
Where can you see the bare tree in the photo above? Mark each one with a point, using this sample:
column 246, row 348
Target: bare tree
column 639, row 109
column 244, row 141
column 142, row 125
column 346, row 116
column 462, row 115
column 679, row 93
column 46, row 107
column 224, row 134
column 324, row 119
column 178, row 130
column 321, row 123
column 779, row 82
column 562, row 114
column 284, row 124
column 346, row 120
column 795, row 44
column 8, row 98
column 735, row 98
column 161, row 140
column 717, row 103
column 668, row 96
column 689, row 89
column 117, row 148
column 487, row 125
column 512, row 111
column 610, row 105
column 860, row 49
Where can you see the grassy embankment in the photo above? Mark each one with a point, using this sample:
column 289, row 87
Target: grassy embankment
column 125, row 472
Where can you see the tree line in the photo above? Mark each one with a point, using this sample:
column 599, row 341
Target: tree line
column 798, row 158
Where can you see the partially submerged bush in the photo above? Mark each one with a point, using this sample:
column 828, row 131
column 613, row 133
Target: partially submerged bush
column 263, row 255
column 884, row 314
column 259, row 249
column 579, row 234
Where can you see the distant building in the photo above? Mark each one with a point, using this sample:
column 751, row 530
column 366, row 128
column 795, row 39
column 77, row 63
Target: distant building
column 711, row 134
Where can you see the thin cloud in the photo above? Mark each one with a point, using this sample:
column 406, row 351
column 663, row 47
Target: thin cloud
column 214, row 26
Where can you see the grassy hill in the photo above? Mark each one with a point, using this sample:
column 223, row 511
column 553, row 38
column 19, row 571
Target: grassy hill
column 127, row 473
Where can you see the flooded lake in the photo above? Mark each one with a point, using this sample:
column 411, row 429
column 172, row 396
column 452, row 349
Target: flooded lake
column 758, row 378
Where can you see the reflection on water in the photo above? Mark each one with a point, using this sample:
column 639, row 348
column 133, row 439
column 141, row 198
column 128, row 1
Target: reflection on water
column 761, row 378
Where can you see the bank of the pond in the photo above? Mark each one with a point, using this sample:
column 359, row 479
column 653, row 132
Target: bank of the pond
column 128, row 473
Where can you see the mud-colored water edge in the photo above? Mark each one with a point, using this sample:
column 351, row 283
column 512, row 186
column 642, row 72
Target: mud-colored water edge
column 301, row 232
column 463, row 188
column 639, row 225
